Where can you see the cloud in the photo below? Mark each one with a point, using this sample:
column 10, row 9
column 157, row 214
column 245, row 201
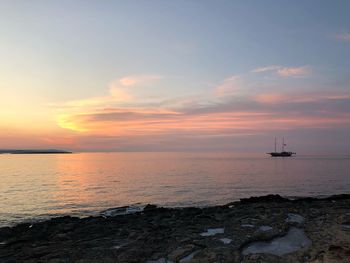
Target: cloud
column 294, row 71
column 285, row 71
column 262, row 113
column 134, row 80
column 229, row 86
column 118, row 121
column 267, row 68
column 271, row 98
column 236, row 107
column 118, row 92
column 303, row 97
column 343, row 37
column 66, row 122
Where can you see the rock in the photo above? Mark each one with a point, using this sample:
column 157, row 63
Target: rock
column 149, row 207
column 212, row 232
column 165, row 235
column 265, row 228
column 225, row 240
column 295, row 218
column 334, row 254
column 181, row 253
column 266, row 198
column 294, row 240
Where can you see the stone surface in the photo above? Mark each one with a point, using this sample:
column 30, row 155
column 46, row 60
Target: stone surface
column 293, row 241
column 295, row 218
column 265, row 228
column 212, row 232
column 225, row 240
column 157, row 234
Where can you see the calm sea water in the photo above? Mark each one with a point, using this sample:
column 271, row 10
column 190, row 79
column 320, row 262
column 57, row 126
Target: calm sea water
column 41, row 186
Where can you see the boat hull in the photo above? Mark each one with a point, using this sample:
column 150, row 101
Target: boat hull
column 281, row 154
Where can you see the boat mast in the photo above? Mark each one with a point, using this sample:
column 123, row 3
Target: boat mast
column 275, row 144
column 283, row 144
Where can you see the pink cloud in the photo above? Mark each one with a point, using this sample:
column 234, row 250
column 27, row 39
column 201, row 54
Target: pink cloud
column 285, row 71
column 228, row 86
column 275, row 97
column 267, row 68
column 294, row 71
column 271, row 98
column 343, row 37
column 155, row 123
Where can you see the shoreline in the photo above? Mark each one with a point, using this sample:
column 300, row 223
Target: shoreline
column 138, row 207
column 256, row 229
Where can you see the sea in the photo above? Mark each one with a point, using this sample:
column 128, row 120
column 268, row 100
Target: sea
column 37, row 186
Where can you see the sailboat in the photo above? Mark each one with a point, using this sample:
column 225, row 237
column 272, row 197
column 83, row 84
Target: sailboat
column 283, row 153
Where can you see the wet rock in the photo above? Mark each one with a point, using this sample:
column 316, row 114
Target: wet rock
column 293, row 241
column 295, row 218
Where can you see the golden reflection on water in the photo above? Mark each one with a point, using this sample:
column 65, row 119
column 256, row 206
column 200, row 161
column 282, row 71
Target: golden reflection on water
column 82, row 183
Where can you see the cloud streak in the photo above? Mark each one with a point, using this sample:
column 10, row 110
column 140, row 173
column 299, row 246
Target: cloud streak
column 259, row 113
column 119, row 92
column 140, row 80
column 282, row 71
column 266, row 68
column 237, row 106
column 229, row 86
column 343, row 37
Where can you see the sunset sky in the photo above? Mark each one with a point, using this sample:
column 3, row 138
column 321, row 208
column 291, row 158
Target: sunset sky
column 175, row 75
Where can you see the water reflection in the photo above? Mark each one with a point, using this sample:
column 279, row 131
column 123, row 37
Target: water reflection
column 34, row 185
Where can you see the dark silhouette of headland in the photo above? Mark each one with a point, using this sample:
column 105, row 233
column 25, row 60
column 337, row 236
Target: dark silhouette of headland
column 33, row 151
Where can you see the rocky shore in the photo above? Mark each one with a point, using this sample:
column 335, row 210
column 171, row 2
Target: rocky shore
column 257, row 229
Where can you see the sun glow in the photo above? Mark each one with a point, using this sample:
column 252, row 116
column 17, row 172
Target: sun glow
column 65, row 122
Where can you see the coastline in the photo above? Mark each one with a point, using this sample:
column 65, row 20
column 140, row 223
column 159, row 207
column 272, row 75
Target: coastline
column 257, row 229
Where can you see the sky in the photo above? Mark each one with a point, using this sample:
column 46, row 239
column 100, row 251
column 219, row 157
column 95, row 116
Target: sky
column 155, row 75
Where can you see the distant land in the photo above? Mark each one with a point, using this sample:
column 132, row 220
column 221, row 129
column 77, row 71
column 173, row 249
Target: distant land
column 32, row 151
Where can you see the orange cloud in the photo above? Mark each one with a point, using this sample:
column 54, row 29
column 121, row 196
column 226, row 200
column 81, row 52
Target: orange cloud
column 138, row 80
column 104, row 118
column 119, row 120
column 65, row 122
column 118, row 93
column 122, row 122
